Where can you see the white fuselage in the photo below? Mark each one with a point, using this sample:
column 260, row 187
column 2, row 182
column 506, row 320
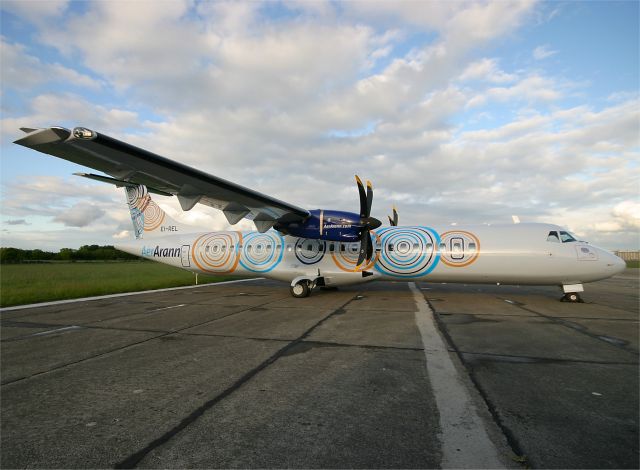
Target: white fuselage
column 508, row 254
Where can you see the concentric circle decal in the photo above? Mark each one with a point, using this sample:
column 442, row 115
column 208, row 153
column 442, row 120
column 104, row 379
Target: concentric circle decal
column 261, row 252
column 217, row 252
column 153, row 216
column 408, row 251
column 144, row 212
column 459, row 248
column 310, row 251
column 346, row 256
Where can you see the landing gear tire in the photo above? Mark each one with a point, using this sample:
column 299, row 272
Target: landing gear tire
column 300, row 289
column 573, row 297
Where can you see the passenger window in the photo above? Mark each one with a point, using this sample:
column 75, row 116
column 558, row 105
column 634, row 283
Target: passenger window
column 472, row 246
column 566, row 237
column 249, row 248
column 206, row 249
column 390, row 246
column 309, row 247
column 415, row 246
column 429, row 246
column 331, row 247
column 553, row 237
column 268, row 247
column 342, row 248
column 443, row 247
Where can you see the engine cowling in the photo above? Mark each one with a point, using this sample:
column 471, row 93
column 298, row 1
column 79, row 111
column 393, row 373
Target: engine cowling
column 322, row 224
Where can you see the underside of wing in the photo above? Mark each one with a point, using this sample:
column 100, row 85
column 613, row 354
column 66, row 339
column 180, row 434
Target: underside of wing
column 130, row 164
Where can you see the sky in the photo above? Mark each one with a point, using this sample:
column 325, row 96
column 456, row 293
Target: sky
column 458, row 112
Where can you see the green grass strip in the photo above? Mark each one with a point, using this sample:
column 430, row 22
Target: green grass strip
column 32, row 283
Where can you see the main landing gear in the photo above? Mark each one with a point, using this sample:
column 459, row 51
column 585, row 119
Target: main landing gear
column 300, row 289
column 302, row 286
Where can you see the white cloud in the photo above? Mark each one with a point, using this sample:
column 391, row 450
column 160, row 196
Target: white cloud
column 22, row 70
column 35, row 11
column 68, row 109
column 543, row 52
column 486, row 69
column 122, row 235
column 80, row 215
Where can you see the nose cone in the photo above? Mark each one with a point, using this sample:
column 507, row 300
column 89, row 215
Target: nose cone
column 618, row 264
column 612, row 263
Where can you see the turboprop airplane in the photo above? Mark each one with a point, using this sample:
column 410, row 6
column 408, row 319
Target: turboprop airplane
column 309, row 248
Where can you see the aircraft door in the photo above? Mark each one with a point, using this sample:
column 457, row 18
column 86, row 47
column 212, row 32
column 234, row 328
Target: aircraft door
column 456, row 245
column 184, row 256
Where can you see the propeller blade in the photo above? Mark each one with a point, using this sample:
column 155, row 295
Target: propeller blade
column 393, row 221
column 369, row 197
column 365, row 243
column 363, row 198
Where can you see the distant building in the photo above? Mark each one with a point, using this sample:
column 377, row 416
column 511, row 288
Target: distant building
column 628, row 255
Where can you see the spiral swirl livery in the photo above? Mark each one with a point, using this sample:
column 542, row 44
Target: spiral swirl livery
column 310, row 251
column 261, row 252
column 408, row 251
column 459, row 248
column 217, row 252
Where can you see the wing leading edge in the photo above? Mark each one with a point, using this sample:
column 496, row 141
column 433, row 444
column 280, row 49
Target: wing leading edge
column 133, row 165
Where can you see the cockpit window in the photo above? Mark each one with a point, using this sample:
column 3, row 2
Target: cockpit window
column 553, row 237
column 566, row 237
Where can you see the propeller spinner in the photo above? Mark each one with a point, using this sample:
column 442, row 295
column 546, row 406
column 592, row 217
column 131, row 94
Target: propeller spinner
column 369, row 223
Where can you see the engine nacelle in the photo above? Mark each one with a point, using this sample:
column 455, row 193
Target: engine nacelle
column 337, row 226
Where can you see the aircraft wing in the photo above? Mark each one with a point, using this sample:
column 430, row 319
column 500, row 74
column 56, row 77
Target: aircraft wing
column 129, row 164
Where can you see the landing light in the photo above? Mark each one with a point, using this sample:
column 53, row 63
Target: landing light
column 83, row 133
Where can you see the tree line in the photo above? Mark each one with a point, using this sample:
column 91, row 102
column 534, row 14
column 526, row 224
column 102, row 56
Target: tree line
column 84, row 253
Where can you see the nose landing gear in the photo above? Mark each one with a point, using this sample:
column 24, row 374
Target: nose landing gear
column 572, row 293
column 572, row 297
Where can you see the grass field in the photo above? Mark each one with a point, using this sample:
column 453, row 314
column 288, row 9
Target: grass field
column 31, row 283
column 633, row 263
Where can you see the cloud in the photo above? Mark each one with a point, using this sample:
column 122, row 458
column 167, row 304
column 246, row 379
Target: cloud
column 80, row 215
column 122, row 235
column 543, row 52
column 16, row 222
column 24, row 71
column 486, row 69
column 35, row 11
column 71, row 110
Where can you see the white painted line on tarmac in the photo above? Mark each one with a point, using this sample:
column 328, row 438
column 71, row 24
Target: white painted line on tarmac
column 110, row 296
column 167, row 308
column 465, row 441
column 57, row 330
